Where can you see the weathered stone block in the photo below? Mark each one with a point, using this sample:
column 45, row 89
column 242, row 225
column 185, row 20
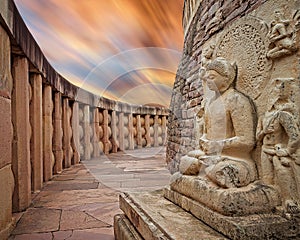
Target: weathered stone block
column 6, row 188
column 6, row 132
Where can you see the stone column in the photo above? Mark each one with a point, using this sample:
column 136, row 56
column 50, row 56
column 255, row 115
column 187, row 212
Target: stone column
column 75, row 128
column 105, row 132
column 57, row 134
column 121, row 131
column 95, row 126
column 114, row 131
column 164, row 128
column 86, row 130
column 147, row 128
column 21, row 142
column 139, row 131
column 6, row 129
column 66, row 134
column 36, row 121
column 131, row 131
column 48, row 133
column 156, row 131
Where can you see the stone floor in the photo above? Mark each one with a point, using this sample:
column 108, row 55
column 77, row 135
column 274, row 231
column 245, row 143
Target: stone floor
column 80, row 203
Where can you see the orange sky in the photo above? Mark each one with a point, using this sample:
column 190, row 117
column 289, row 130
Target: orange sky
column 123, row 49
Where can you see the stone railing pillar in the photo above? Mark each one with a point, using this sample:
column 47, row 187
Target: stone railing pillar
column 66, row 134
column 86, row 130
column 139, row 131
column 156, row 131
column 121, row 131
column 105, row 132
column 36, row 121
column 114, row 132
column 164, row 129
column 57, row 134
column 21, row 141
column 95, row 126
column 131, row 131
column 75, row 128
column 6, row 129
column 47, row 133
column 147, row 128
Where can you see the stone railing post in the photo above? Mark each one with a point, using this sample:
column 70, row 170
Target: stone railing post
column 6, row 129
column 147, row 128
column 114, row 132
column 75, row 128
column 57, row 134
column 86, row 130
column 139, row 131
column 21, row 141
column 105, row 132
column 164, row 129
column 131, row 131
column 36, row 121
column 95, row 126
column 47, row 133
column 121, row 131
column 66, row 134
column 156, row 131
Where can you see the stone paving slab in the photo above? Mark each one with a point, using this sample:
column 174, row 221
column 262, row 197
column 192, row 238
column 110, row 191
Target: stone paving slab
column 82, row 201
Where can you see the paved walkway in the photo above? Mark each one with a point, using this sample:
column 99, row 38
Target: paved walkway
column 80, row 203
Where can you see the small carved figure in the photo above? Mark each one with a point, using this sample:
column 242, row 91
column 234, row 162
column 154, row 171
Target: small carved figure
column 282, row 40
column 206, row 57
column 278, row 130
column 229, row 131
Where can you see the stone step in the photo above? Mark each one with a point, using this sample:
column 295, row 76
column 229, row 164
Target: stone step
column 154, row 217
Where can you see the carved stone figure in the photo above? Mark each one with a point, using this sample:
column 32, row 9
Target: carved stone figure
column 278, row 130
column 281, row 39
column 229, row 136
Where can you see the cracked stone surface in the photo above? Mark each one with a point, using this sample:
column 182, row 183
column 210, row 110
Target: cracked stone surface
column 80, row 202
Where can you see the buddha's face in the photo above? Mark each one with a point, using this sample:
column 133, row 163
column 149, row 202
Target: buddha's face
column 216, row 82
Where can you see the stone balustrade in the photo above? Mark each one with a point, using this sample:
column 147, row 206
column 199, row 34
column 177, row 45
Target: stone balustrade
column 48, row 124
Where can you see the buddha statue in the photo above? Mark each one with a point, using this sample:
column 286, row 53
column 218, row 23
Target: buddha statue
column 228, row 139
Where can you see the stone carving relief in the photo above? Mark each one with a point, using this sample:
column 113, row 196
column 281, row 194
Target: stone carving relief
column 245, row 43
column 242, row 142
column 281, row 36
column 278, row 132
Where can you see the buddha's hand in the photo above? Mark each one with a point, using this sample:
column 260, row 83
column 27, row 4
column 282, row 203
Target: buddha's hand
column 211, row 147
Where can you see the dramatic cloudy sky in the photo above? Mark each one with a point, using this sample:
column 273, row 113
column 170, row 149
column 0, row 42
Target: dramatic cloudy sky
column 123, row 49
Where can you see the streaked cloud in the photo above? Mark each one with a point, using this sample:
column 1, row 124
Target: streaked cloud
column 109, row 46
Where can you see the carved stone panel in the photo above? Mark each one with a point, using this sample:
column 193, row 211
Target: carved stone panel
column 245, row 43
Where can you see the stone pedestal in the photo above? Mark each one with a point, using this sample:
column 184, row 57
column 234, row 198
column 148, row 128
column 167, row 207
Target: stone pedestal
column 151, row 216
column 167, row 214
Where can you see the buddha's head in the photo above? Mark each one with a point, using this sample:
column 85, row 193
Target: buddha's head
column 220, row 74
